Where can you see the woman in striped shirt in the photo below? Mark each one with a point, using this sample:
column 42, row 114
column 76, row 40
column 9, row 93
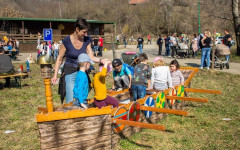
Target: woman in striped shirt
column 176, row 74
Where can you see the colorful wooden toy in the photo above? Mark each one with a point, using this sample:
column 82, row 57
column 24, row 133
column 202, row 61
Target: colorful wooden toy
column 134, row 112
column 160, row 101
column 150, row 103
column 172, row 92
column 121, row 113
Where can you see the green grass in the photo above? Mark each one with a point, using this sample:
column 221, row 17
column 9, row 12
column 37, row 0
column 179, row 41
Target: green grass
column 202, row 129
column 233, row 55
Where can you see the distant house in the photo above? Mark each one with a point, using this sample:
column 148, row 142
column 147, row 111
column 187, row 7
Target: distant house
column 135, row 2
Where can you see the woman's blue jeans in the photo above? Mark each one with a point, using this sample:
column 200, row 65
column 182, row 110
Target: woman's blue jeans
column 167, row 52
column 138, row 91
column 205, row 55
column 70, row 81
column 55, row 52
column 140, row 46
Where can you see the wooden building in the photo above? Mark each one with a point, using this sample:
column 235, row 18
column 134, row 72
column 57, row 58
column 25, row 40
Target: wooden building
column 26, row 29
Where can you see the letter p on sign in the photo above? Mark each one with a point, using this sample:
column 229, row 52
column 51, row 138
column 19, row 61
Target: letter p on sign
column 47, row 34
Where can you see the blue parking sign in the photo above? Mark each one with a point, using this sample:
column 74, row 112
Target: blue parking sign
column 47, row 35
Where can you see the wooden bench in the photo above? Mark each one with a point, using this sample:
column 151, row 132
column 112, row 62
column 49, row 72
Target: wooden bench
column 17, row 78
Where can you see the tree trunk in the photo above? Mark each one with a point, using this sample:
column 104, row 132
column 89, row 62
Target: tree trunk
column 236, row 21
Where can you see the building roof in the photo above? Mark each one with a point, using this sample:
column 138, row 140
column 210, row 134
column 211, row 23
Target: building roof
column 53, row 20
column 135, row 2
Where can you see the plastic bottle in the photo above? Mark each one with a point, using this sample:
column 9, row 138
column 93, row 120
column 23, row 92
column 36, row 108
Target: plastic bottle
column 21, row 67
column 28, row 67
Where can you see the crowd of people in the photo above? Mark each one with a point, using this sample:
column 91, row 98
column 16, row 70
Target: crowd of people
column 43, row 46
column 75, row 82
column 10, row 45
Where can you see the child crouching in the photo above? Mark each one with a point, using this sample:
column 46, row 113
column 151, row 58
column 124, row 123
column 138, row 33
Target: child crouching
column 81, row 86
column 101, row 99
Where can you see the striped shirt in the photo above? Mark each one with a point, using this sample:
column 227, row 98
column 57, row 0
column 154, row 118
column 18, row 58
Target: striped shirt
column 177, row 77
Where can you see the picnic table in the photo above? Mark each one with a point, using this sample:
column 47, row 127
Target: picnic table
column 13, row 53
column 17, row 78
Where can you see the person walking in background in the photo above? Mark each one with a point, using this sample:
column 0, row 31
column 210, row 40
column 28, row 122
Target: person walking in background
column 206, row 41
column 173, row 44
column 125, row 41
column 140, row 44
column 167, row 46
column 56, row 49
column 159, row 43
column 194, row 46
column 227, row 41
column 149, row 38
column 131, row 40
column 100, row 46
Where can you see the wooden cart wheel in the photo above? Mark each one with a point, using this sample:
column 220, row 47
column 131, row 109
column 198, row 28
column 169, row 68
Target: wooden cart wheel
column 160, row 101
column 134, row 112
column 150, row 103
column 171, row 102
column 121, row 113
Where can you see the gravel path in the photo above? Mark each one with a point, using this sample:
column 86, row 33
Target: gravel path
column 151, row 50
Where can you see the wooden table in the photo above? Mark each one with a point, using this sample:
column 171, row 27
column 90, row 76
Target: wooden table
column 13, row 54
column 17, row 77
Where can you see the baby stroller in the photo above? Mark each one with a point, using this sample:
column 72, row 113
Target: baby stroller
column 130, row 58
column 220, row 56
column 183, row 50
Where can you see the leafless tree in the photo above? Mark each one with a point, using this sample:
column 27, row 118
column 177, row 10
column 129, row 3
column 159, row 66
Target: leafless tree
column 236, row 21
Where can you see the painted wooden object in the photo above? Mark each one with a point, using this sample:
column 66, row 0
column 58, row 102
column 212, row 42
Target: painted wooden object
column 150, row 103
column 160, row 100
column 171, row 102
column 121, row 113
column 134, row 112
column 74, row 129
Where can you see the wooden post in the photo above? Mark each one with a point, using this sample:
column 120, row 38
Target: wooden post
column 50, row 24
column 23, row 29
column 48, row 93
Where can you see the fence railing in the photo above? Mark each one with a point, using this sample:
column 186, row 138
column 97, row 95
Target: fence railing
column 34, row 37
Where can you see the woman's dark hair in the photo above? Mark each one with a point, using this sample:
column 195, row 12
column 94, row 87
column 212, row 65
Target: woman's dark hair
column 194, row 35
column 175, row 62
column 142, row 57
column 81, row 24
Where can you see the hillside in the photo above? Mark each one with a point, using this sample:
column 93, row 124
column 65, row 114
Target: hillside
column 155, row 17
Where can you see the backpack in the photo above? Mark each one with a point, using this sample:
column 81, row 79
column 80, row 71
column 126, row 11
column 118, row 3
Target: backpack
column 129, row 67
